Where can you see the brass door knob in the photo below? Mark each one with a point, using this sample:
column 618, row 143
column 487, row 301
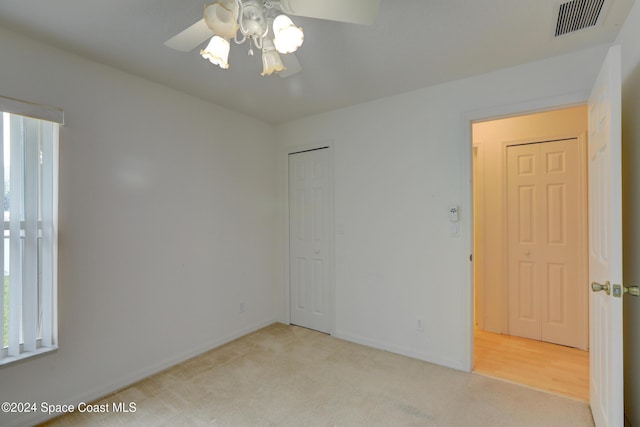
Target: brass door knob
column 632, row 290
column 597, row 287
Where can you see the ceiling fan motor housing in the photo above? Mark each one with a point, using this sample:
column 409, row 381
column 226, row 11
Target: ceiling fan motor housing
column 253, row 22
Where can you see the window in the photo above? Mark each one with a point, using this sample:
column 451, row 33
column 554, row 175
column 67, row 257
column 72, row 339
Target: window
column 28, row 257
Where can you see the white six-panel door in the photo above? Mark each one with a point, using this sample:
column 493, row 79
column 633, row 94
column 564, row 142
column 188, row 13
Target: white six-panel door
column 310, row 240
column 605, row 244
column 546, row 187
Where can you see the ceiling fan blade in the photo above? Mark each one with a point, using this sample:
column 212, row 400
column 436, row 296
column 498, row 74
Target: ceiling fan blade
column 291, row 64
column 190, row 38
column 352, row 11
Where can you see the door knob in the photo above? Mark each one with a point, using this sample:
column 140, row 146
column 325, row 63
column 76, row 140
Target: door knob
column 597, row 287
column 619, row 290
column 527, row 252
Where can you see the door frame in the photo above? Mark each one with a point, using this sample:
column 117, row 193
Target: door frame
column 478, row 218
column 500, row 112
column 287, row 151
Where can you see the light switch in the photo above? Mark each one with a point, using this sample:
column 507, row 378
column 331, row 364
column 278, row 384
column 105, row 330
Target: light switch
column 454, row 229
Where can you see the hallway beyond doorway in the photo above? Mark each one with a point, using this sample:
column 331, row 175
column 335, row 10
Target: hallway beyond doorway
column 550, row 367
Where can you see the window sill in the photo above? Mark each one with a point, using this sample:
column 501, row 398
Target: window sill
column 11, row 360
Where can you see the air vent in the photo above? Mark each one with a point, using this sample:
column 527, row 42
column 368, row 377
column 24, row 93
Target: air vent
column 578, row 14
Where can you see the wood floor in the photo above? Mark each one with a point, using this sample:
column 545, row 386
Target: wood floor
column 555, row 368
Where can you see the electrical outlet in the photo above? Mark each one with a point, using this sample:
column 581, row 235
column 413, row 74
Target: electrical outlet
column 241, row 308
column 419, row 325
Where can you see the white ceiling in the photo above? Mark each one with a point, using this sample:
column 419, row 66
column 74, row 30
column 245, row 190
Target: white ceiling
column 413, row 44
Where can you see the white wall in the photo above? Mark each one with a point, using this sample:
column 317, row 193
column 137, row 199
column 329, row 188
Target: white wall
column 628, row 39
column 399, row 163
column 168, row 221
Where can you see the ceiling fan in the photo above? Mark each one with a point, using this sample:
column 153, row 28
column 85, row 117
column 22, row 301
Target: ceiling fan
column 265, row 25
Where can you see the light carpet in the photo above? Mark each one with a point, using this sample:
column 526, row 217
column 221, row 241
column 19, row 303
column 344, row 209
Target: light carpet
column 290, row 376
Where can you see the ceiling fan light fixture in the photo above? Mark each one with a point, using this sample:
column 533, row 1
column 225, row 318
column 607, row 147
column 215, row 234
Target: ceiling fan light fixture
column 288, row 37
column 222, row 17
column 217, row 52
column 271, row 61
column 255, row 21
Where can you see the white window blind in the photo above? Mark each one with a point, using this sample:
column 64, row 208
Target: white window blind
column 28, row 257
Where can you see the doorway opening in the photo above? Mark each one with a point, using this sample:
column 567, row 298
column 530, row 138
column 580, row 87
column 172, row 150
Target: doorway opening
column 530, row 245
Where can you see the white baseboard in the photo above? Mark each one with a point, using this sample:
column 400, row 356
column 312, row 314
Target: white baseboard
column 127, row 380
column 404, row 351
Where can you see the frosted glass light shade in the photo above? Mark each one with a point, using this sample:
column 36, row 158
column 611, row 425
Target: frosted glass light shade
column 217, row 52
column 271, row 61
column 288, row 37
column 222, row 18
